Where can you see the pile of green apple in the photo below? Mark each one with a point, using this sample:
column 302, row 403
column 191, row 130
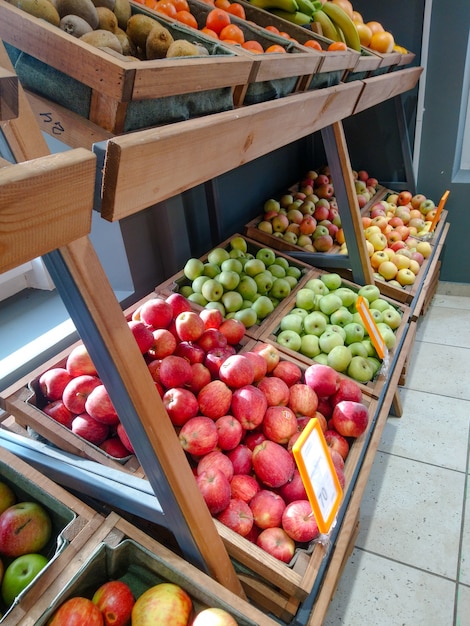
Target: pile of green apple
column 242, row 285
column 324, row 325
column 25, row 531
column 309, row 217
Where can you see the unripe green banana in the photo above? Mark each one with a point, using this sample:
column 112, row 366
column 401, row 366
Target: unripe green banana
column 306, row 6
column 290, row 6
column 328, row 28
column 297, row 17
column 341, row 20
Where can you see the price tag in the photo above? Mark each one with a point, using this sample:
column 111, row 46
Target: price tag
column 439, row 211
column 372, row 329
column 318, row 474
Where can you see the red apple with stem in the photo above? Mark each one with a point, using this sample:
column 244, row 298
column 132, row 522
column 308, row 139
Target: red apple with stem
column 98, row 404
column 269, row 353
column 302, row 400
column 337, row 442
column 279, row 424
column 249, row 406
column 237, row 516
column 211, row 339
column 25, row 528
column 267, row 507
column 230, row 432
column 299, row 522
column 190, row 351
column 164, row 343
column 77, row 391
column 142, row 334
column 215, row 489
column 215, row 399
column 174, row 371
column 277, row 543
column 156, row 313
column 180, row 404
column 198, row 436
column 189, row 326
column 237, row 371
column 272, row 463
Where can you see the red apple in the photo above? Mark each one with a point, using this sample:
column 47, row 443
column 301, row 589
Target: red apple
column 115, row 448
column 216, row 460
column 79, row 362
column 180, row 404
column 404, row 197
column 244, row 487
column 123, row 436
column 211, row 339
column 230, row 432
column 164, row 603
column 348, row 389
column 190, row 351
column 249, row 405
column 269, row 353
column 77, row 391
column 77, row 611
column 234, row 331
column 179, row 304
column 260, row 367
column 293, row 489
column 90, row 429
column 323, row 379
column 7, row 498
column 53, row 382
column 272, row 464
column 237, row 371
column 164, row 343
column 253, row 437
column 299, row 522
column 198, row 435
column 215, row 489
column 275, row 390
column 174, row 371
column 215, row 616
column 321, row 179
column 325, row 407
column 215, row 399
column 267, row 508
column 302, row 400
column 189, row 326
column 337, row 442
column 201, row 376
column 277, row 543
column 237, row 516
column 289, row 372
column 142, row 334
column 25, row 527
column 350, row 418
column 215, row 358
column 154, row 369
column 241, row 459
column 99, row 406
column 59, row 412
column 212, row 318
column 337, row 459
column 279, row 424
column 115, row 600
column 156, row 313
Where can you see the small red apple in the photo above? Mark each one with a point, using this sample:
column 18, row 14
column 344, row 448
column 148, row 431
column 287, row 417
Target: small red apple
column 237, row 516
column 156, row 313
column 174, row 371
column 215, row 399
column 170, row 602
column 59, row 412
column 323, row 379
column 337, row 442
column 77, row 391
column 267, row 508
column 279, row 424
column 350, row 418
column 293, row 489
column 272, row 464
column 299, row 522
column 98, row 404
column 211, row 339
column 77, row 611
column 142, row 334
column 244, row 487
column 237, row 371
column 234, row 331
column 115, row 448
column 230, row 432
column 178, row 304
column 241, row 459
column 53, row 382
column 198, row 435
column 249, row 405
column 215, row 489
column 212, row 318
column 216, row 460
column 115, row 600
column 275, row 390
column 289, row 372
column 270, row 354
column 277, row 543
column 90, row 429
column 180, row 404
column 201, row 376
column 302, row 400
column 260, row 367
column 79, row 362
column 164, row 343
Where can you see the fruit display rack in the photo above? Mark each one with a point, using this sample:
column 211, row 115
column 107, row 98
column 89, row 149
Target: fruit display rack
column 86, row 292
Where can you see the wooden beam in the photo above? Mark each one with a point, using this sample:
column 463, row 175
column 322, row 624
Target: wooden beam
column 8, row 95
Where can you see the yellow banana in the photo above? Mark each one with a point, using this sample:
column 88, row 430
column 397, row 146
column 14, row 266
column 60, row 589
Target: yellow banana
column 290, row 6
column 328, row 28
column 342, row 20
column 297, row 17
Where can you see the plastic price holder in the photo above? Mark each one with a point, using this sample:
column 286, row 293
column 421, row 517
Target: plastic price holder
column 372, row 329
column 318, row 475
column 439, row 210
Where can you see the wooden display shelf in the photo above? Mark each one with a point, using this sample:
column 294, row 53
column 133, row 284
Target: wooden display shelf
column 380, row 88
column 8, row 95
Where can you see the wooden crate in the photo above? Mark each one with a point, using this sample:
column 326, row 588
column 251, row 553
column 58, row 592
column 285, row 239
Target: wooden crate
column 119, row 550
column 117, row 95
column 375, row 386
column 73, row 524
column 410, row 340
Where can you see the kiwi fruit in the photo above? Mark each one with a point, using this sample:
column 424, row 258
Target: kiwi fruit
column 109, row 4
column 158, row 41
column 83, row 8
column 182, row 48
column 44, row 9
column 128, row 47
column 139, row 27
column 74, row 25
column 102, row 39
column 122, row 10
column 108, row 19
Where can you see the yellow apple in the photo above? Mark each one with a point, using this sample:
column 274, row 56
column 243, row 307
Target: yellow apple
column 414, row 266
column 424, row 247
column 388, row 270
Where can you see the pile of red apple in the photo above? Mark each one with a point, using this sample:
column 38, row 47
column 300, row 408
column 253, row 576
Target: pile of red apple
column 25, row 531
column 113, row 604
column 309, row 217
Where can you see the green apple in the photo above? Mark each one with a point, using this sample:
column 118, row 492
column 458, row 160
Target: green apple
column 237, row 254
column 298, row 311
column 341, row 316
column 289, row 339
column 247, row 316
column 217, row 305
column 238, row 243
column 19, row 574
column 247, row 288
column 283, row 262
column 375, row 364
column 197, row 298
column 369, row 346
column 186, row 290
column 329, row 303
column 315, row 323
column 211, row 270
column 347, row 295
column 317, row 286
column 369, row 292
column 271, row 205
column 290, row 237
column 380, row 304
column 376, row 315
column 296, row 272
column 232, row 265
column 392, row 318
column 336, row 329
column 354, row 332
column 212, row 290
column 387, row 335
column 193, row 268
column 357, row 348
column 264, row 281
column 305, row 299
column 274, row 300
column 321, row 358
column 292, row 322
column 339, row 358
column 329, row 339
column 218, row 256
column 360, row 369
column 253, row 267
column 333, row 281
column 198, row 282
column 232, row 301
column 309, row 346
column 228, row 279
column 291, row 280
column 277, row 270
column 263, row 307
column 267, row 255
column 357, row 319
column 280, row 288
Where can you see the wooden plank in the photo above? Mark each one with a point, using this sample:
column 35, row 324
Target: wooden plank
column 248, row 132
column 8, row 95
column 34, row 223
column 380, row 88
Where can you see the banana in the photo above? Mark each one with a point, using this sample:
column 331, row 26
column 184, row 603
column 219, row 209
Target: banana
column 297, row 17
column 306, row 6
column 289, row 6
column 342, row 21
column 328, row 28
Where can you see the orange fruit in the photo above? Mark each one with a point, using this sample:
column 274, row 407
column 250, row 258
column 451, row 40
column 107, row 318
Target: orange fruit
column 284, row 34
column 313, row 43
column 237, row 9
column 337, row 45
column 186, row 17
column 209, row 32
column 166, row 7
column 181, row 5
column 253, row 46
column 357, row 18
column 382, row 42
column 233, row 33
column 365, row 34
column 376, row 27
column 274, row 48
column 346, row 6
column 272, row 29
column 217, row 19
column 222, row 4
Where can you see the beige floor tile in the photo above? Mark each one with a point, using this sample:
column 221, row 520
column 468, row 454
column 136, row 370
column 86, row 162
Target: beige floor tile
column 439, row 369
column 374, row 590
column 452, row 302
column 465, row 556
column 432, row 429
column 402, row 513
column 445, row 325
column 463, row 606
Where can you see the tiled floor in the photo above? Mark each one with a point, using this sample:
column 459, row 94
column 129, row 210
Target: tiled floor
column 411, row 562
